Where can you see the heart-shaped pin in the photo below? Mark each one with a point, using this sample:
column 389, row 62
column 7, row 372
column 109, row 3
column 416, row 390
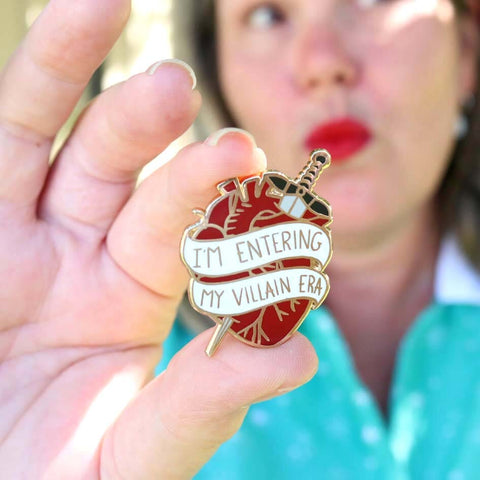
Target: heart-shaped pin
column 258, row 253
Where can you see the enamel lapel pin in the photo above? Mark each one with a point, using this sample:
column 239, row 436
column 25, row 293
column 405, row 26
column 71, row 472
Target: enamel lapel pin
column 258, row 253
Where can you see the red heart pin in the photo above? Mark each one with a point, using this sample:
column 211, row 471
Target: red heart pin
column 257, row 255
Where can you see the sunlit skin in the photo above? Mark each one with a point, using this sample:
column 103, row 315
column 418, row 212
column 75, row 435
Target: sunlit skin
column 402, row 68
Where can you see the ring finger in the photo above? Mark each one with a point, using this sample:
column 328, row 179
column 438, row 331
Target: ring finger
column 43, row 81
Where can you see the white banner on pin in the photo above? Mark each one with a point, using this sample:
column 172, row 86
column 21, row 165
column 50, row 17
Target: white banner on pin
column 252, row 293
column 256, row 248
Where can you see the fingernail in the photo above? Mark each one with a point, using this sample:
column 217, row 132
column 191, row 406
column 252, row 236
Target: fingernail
column 180, row 63
column 282, row 391
column 215, row 137
column 275, row 394
column 261, row 158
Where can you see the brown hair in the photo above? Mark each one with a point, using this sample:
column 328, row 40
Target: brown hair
column 459, row 193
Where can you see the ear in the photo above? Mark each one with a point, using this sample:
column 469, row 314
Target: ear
column 469, row 35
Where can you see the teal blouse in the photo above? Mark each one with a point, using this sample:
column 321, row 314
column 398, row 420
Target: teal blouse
column 332, row 429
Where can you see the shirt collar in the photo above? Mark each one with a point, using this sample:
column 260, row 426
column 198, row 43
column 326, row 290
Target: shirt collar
column 456, row 281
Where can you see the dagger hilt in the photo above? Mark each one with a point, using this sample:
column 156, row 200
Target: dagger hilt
column 303, row 185
column 319, row 160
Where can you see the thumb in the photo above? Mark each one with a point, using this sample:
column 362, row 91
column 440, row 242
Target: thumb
column 180, row 419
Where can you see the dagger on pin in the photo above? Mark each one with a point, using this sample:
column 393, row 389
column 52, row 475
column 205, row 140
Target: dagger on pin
column 297, row 197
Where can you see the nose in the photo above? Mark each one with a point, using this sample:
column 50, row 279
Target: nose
column 319, row 59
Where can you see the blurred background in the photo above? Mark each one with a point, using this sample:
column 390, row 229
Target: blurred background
column 145, row 41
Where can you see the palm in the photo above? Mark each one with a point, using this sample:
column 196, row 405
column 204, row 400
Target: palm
column 90, row 271
column 80, row 296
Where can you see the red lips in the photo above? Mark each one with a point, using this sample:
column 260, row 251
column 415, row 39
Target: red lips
column 342, row 138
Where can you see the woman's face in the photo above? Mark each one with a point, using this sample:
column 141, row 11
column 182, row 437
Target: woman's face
column 378, row 83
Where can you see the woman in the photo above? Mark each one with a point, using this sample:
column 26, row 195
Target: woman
column 84, row 318
column 375, row 83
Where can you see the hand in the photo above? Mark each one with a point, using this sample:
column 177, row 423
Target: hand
column 90, row 271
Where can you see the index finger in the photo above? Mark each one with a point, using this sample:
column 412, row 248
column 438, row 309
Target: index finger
column 43, row 81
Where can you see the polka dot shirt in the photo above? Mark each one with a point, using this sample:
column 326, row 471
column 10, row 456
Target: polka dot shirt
column 332, row 429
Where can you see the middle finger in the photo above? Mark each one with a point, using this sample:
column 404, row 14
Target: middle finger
column 121, row 131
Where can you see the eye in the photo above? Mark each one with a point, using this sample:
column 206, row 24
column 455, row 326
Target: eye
column 371, row 3
column 265, row 16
